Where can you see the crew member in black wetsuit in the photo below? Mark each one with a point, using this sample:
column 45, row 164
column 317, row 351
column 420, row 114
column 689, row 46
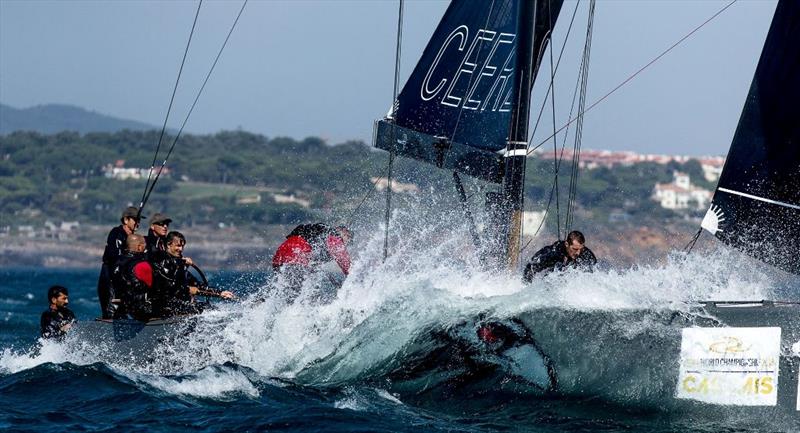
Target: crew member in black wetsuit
column 133, row 279
column 157, row 235
column 561, row 255
column 175, row 287
column 57, row 319
column 115, row 245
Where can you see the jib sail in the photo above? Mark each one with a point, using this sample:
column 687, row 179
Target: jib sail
column 455, row 109
column 756, row 207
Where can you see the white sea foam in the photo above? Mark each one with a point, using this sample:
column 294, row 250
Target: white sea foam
column 219, row 383
column 13, row 361
column 382, row 305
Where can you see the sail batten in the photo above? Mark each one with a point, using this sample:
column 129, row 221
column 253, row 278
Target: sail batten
column 755, row 197
column 756, row 207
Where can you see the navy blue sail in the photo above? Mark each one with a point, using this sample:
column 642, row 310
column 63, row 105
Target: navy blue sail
column 455, row 109
column 756, row 207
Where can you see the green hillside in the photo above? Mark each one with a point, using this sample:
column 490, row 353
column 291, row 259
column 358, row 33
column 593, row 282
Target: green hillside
column 250, row 180
column 52, row 118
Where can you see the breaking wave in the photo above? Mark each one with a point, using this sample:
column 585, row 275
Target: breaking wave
column 394, row 324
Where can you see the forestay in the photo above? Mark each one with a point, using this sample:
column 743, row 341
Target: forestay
column 756, row 207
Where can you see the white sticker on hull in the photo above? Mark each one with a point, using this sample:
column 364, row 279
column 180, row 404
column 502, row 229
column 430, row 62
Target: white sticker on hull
column 730, row 366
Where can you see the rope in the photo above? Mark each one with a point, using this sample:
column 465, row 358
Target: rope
column 556, row 163
column 169, row 110
column 394, row 107
column 556, row 156
column 350, row 218
column 541, row 111
column 576, row 153
column 631, row 77
column 688, row 248
column 558, row 62
column 194, row 103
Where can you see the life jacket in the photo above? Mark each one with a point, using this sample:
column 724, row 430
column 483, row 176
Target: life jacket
column 316, row 235
column 131, row 291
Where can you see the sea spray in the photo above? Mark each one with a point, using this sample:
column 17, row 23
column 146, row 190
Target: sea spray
column 433, row 279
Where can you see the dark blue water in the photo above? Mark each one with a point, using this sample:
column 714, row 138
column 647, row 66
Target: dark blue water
column 319, row 368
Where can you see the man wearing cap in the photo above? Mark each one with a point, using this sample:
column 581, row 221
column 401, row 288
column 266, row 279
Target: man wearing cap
column 115, row 247
column 157, row 235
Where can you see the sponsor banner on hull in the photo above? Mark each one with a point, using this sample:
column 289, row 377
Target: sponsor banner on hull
column 730, row 366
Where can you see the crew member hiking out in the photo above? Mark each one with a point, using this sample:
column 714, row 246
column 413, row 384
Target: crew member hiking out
column 133, row 280
column 57, row 319
column 571, row 253
column 157, row 235
column 308, row 247
column 115, row 245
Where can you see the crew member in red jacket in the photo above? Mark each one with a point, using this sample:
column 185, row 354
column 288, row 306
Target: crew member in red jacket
column 309, row 246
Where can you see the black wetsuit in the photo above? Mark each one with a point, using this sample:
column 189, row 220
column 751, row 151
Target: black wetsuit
column 171, row 281
column 554, row 257
column 115, row 246
column 154, row 244
column 133, row 293
column 52, row 321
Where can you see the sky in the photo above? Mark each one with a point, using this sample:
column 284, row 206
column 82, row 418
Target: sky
column 326, row 67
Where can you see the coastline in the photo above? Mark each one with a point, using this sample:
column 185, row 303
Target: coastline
column 619, row 246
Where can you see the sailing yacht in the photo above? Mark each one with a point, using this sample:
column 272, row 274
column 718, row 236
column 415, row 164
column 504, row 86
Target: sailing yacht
column 465, row 108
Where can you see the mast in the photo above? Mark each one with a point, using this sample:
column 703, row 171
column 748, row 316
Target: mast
column 517, row 145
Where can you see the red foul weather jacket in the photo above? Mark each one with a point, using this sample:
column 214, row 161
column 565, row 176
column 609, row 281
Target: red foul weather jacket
column 296, row 250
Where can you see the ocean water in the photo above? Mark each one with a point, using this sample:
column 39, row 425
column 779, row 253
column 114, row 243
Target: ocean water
column 392, row 351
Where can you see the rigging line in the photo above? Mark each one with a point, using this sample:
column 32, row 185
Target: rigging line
column 631, row 77
column 576, row 155
column 556, row 164
column 570, row 196
column 556, row 160
column 545, row 43
column 560, row 159
column 560, row 54
column 541, row 224
column 548, row 38
column 169, row 109
column 391, row 153
column 571, row 110
column 194, row 103
column 349, row 220
column 688, row 248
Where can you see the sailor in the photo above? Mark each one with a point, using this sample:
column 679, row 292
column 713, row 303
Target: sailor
column 157, row 235
column 115, row 245
column 306, row 248
column 175, row 286
column 57, row 319
column 133, row 280
column 571, row 253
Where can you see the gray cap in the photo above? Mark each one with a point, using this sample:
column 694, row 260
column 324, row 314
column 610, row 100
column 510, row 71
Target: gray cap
column 131, row 212
column 160, row 218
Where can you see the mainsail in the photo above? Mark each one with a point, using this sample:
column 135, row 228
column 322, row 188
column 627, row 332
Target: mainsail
column 756, row 207
column 455, row 109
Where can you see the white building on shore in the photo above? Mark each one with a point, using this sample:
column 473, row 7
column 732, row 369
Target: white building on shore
column 681, row 194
